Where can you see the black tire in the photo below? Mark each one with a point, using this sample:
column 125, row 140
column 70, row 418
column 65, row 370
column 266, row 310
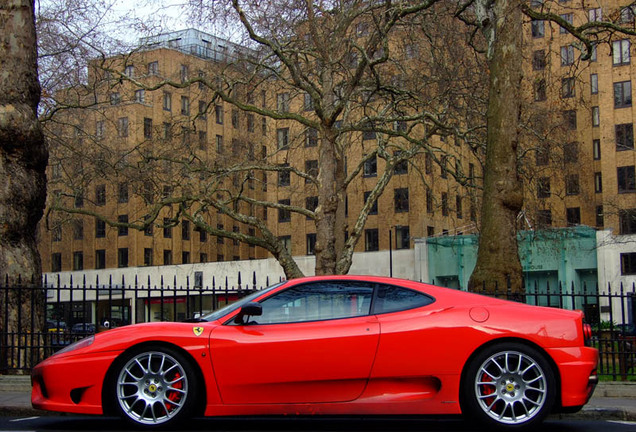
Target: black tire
column 153, row 387
column 508, row 386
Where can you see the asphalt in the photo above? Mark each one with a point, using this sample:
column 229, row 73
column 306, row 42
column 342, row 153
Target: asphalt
column 611, row 401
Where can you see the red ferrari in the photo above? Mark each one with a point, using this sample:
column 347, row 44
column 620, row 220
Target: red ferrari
column 333, row 345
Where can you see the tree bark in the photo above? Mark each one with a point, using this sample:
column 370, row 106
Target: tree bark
column 498, row 265
column 23, row 159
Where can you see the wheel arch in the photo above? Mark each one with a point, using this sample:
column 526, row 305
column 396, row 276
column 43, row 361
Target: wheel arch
column 522, row 341
column 109, row 401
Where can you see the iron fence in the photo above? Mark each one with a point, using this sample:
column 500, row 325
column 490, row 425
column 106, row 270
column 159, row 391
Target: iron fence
column 76, row 310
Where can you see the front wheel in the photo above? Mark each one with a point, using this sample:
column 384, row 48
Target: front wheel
column 509, row 386
column 154, row 387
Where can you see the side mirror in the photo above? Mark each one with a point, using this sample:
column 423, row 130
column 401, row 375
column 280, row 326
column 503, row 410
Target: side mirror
column 250, row 309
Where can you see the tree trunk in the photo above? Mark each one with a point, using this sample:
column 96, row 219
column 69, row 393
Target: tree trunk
column 330, row 211
column 23, row 159
column 498, row 265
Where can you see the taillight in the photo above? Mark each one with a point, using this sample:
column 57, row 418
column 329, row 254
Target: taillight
column 587, row 334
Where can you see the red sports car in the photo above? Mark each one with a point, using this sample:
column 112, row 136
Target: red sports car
column 333, row 345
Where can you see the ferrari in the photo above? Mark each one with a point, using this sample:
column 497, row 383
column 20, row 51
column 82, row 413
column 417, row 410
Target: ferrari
column 336, row 345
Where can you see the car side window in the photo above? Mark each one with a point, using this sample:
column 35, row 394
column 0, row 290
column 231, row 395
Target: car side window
column 393, row 299
column 316, row 302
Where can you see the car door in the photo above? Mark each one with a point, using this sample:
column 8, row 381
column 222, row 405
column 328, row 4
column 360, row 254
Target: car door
column 315, row 342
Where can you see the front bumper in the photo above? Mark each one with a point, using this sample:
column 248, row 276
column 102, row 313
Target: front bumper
column 71, row 383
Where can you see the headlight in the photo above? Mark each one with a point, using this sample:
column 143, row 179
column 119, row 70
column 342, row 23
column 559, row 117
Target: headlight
column 82, row 343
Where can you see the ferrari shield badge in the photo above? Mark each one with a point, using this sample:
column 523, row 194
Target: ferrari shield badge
column 197, row 331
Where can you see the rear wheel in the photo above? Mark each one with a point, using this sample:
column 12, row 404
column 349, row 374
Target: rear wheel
column 154, row 386
column 509, row 386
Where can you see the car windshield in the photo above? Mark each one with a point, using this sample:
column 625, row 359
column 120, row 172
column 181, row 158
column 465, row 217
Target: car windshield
column 219, row 313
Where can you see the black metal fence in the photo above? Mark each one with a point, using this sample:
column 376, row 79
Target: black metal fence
column 76, row 310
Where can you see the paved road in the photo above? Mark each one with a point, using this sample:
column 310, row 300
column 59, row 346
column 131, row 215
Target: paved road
column 92, row 424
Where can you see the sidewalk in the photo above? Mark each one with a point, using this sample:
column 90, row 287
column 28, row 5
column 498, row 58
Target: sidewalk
column 611, row 401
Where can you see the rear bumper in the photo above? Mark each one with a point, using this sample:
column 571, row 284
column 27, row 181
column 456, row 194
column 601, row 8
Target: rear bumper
column 577, row 370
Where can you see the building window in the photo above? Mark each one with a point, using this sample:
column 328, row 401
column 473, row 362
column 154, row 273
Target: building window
column 600, row 222
column 538, row 60
column 167, row 257
column 122, row 193
column 311, row 169
column 284, row 176
column 308, row 102
column 569, row 117
column 571, row 152
column 311, row 203
column 140, row 96
column 628, row 263
column 100, row 195
column 78, row 229
column 569, row 18
column 622, row 94
column 185, row 257
column 596, row 149
column 458, row 207
column 122, row 230
column 598, row 182
column 444, row 204
column 250, row 122
column 282, row 102
column 371, row 240
column 99, row 129
column 284, row 215
column 235, row 119
column 167, row 101
column 401, row 200
column 402, row 237
column 594, row 83
column 624, row 137
column 122, row 257
column 572, row 184
column 56, row 262
column 282, row 136
column 185, row 105
column 370, row 167
column 567, row 55
column 543, row 154
column 100, row 228
column 568, row 87
column 401, row 167
column 167, row 227
column 311, row 137
column 627, row 221
column 153, row 68
column 218, row 112
column 100, row 259
column 122, row 127
column 185, row 73
column 544, row 218
column 78, row 261
column 185, row 230
column 219, row 144
column 429, row 201
column 543, row 187
column 626, row 180
column 573, row 215
column 620, row 52
column 203, row 140
column 115, row 98
column 538, row 28
column 540, row 90
column 286, row 242
column 147, row 257
column 311, row 244
column 374, row 207
column 596, row 116
column 595, row 14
